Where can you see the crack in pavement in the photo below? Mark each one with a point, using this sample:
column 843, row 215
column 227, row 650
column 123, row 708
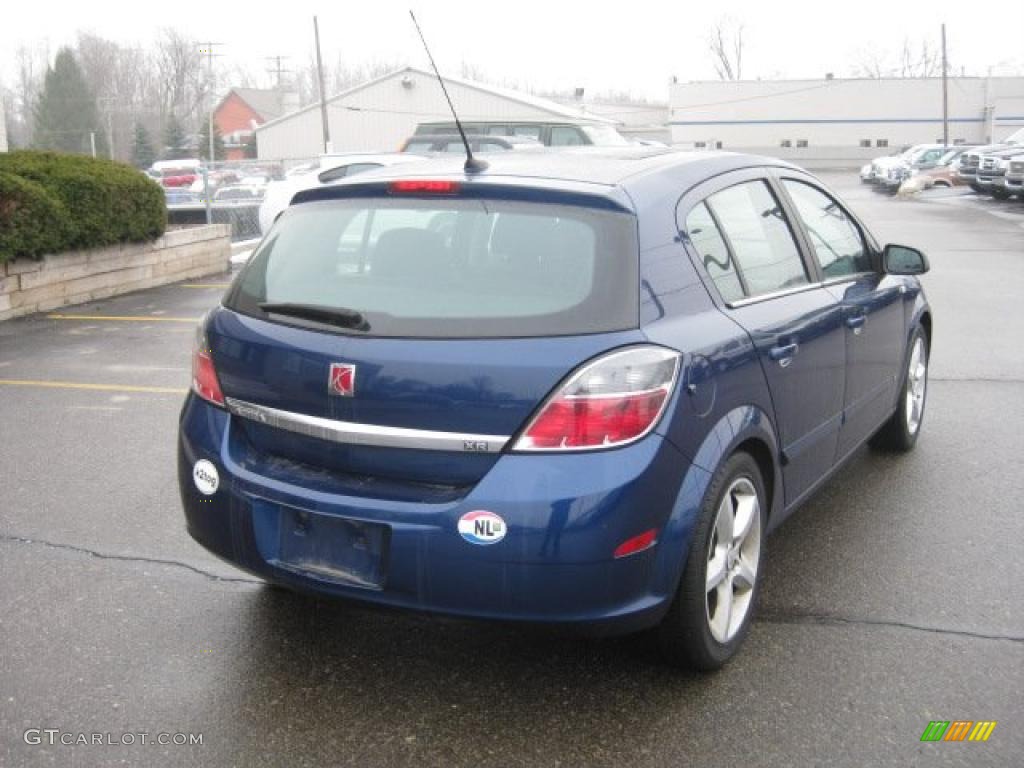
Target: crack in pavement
column 764, row 617
column 968, row 380
column 4, row 537
column 826, row 619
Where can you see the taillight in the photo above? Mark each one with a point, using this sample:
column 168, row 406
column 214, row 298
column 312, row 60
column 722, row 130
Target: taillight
column 204, row 375
column 611, row 401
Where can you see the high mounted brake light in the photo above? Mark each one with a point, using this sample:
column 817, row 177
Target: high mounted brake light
column 611, row 401
column 423, row 187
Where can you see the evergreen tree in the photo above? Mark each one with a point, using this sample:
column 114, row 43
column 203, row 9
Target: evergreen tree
column 143, row 153
column 66, row 112
column 204, row 142
column 250, row 148
column 174, row 140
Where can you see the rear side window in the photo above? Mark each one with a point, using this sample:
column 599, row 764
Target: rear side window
column 759, row 237
column 419, row 145
column 714, row 253
column 838, row 243
column 450, row 268
column 531, row 131
column 565, row 136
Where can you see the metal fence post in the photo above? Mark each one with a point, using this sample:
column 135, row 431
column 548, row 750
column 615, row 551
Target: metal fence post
column 207, row 195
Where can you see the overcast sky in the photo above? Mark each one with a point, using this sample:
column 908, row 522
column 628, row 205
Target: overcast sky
column 635, row 45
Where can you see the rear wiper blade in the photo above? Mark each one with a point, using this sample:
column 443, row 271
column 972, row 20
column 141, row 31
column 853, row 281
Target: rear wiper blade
column 340, row 316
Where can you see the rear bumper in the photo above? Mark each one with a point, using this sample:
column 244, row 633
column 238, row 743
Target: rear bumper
column 565, row 515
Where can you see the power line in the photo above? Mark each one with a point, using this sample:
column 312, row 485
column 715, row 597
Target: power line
column 754, row 98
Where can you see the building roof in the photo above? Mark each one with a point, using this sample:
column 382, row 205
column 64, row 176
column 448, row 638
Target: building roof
column 547, row 105
column 264, row 102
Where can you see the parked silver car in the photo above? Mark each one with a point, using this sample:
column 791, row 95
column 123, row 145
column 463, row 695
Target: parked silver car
column 326, row 170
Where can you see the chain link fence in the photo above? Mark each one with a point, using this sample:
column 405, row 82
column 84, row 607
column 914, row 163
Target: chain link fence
column 228, row 191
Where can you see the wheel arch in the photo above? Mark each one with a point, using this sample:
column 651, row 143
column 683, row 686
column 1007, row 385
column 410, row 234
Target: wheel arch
column 762, row 455
column 926, row 323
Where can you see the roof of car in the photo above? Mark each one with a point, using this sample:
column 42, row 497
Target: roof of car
column 611, row 166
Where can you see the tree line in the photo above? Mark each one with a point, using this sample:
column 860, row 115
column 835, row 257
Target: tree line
column 138, row 103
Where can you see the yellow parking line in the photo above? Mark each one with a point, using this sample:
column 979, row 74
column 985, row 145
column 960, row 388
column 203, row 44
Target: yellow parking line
column 99, row 387
column 127, row 318
column 205, row 285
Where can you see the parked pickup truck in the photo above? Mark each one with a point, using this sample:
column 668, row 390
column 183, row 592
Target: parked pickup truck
column 971, row 161
column 1013, row 180
column 992, row 167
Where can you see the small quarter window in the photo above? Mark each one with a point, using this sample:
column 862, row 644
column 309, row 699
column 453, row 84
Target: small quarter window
column 713, row 252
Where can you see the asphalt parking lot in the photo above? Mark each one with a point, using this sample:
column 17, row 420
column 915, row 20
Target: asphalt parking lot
column 889, row 599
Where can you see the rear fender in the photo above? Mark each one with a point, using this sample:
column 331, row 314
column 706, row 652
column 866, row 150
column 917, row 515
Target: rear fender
column 730, row 432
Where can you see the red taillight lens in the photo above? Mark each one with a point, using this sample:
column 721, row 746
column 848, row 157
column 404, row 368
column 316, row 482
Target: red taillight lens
column 611, row 401
column 204, row 375
column 423, row 187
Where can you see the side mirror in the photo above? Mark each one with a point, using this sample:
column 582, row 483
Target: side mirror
column 903, row 260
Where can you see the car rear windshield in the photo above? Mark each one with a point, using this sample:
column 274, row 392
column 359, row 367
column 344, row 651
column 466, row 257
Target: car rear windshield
column 449, row 268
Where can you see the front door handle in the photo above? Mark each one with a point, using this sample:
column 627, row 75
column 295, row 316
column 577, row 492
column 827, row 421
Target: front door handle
column 783, row 355
column 856, row 322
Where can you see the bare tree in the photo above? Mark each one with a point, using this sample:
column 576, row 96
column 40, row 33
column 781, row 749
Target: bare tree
column 181, row 73
column 725, row 42
column 30, row 66
column 914, row 59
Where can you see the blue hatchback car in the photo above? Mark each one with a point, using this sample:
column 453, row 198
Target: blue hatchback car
column 575, row 388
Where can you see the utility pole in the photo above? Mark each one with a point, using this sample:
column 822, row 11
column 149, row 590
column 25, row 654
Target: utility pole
column 323, row 95
column 945, row 91
column 207, row 48
column 277, row 70
column 109, row 102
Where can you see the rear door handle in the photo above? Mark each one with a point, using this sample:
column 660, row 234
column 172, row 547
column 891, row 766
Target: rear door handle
column 784, row 355
column 856, row 322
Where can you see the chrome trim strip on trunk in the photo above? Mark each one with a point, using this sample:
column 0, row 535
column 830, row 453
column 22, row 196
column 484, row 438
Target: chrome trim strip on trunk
column 352, row 433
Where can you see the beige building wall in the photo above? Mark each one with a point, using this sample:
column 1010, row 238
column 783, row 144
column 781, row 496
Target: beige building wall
column 381, row 115
column 837, row 116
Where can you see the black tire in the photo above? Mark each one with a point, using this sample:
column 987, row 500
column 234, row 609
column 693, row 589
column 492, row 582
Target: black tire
column 1000, row 194
column 685, row 635
column 896, row 435
column 976, row 188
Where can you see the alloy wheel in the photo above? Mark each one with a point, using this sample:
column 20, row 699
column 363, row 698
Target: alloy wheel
column 733, row 556
column 917, row 384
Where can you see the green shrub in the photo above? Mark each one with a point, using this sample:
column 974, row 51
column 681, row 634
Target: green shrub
column 32, row 221
column 105, row 202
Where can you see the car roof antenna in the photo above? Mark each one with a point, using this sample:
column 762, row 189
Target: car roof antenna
column 473, row 164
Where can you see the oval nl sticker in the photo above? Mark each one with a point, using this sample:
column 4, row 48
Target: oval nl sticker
column 206, row 477
column 482, row 527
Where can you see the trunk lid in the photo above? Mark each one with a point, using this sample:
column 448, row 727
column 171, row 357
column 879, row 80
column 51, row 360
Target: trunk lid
column 466, row 387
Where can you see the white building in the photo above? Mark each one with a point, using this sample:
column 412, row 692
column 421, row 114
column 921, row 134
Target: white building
column 842, row 120
column 380, row 114
column 636, row 119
